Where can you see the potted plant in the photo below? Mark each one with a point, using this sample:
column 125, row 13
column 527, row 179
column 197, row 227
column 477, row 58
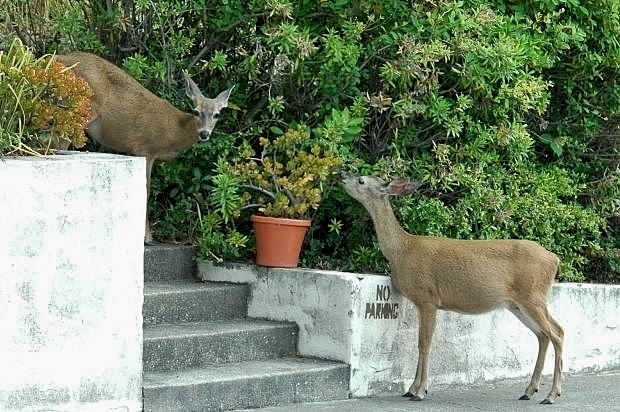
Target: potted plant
column 285, row 183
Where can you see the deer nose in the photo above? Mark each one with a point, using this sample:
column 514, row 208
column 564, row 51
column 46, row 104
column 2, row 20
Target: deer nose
column 203, row 135
column 343, row 175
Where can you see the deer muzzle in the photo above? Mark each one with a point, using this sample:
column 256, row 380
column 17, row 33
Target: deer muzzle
column 203, row 135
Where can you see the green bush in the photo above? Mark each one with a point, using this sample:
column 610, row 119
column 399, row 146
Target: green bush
column 42, row 105
column 286, row 179
column 507, row 111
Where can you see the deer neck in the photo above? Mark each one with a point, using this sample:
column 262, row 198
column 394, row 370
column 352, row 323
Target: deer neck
column 390, row 233
column 189, row 127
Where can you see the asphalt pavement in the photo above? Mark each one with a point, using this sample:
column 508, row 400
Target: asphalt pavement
column 583, row 392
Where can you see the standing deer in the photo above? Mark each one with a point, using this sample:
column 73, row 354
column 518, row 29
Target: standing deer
column 468, row 276
column 128, row 118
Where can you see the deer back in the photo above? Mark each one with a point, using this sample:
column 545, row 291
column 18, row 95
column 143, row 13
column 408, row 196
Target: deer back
column 475, row 276
column 126, row 116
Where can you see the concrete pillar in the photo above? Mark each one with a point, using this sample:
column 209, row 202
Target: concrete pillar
column 71, row 282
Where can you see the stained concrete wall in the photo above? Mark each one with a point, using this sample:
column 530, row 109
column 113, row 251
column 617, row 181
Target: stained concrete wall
column 361, row 320
column 71, row 261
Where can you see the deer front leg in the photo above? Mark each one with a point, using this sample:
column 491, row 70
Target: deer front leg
column 419, row 388
column 148, row 237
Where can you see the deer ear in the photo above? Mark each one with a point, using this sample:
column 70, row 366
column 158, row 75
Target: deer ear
column 191, row 89
column 222, row 98
column 401, row 187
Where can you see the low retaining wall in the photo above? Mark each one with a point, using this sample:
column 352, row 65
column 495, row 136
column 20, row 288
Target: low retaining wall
column 71, row 276
column 361, row 320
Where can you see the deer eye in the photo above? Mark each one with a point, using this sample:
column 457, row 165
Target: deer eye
column 361, row 180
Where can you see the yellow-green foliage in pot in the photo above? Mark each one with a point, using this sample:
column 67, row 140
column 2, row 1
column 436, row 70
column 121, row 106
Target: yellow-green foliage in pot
column 42, row 104
column 285, row 182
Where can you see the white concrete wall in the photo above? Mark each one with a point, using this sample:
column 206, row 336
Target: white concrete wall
column 339, row 319
column 71, row 277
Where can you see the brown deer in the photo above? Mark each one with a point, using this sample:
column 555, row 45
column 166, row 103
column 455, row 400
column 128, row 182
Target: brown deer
column 468, row 276
column 128, row 118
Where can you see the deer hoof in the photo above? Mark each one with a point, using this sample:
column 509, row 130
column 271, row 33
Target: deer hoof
column 546, row 401
column 524, row 398
column 408, row 395
column 415, row 398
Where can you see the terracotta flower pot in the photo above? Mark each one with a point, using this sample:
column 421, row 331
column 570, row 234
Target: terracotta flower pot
column 278, row 240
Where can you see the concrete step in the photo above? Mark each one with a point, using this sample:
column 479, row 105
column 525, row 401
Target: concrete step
column 246, row 385
column 182, row 301
column 170, row 347
column 169, row 262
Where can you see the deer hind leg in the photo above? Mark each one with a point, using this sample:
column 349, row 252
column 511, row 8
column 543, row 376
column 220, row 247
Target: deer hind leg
column 419, row 387
column 550, row 330
column 94, row 127
column 93, row 130
column 543, row 344
column 557, row 339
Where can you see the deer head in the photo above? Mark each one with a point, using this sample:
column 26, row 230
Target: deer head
column 365, row 189
column 206, row 110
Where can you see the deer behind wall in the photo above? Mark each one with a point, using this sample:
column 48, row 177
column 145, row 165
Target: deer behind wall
column 469, row 276
column 128, row 118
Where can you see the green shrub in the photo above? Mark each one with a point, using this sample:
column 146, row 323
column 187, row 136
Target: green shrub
column 42, row 105
column 287, row 179
column 504, row 109
column 32, row 21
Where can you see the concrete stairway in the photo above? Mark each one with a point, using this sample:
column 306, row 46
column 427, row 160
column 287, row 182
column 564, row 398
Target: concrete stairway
column 201, row 353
